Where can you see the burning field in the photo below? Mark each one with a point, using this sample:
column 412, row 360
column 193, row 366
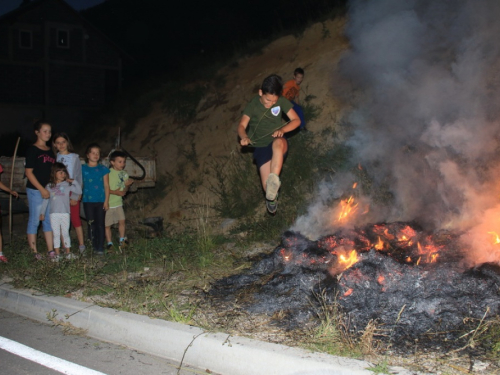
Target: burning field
column 410, row 283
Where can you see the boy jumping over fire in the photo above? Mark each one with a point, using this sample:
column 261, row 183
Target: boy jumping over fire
column 262, row 128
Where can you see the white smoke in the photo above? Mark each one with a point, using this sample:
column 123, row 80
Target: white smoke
column 426, row 81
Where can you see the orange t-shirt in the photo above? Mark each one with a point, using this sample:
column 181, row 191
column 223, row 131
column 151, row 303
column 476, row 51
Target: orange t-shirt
column 291, row 90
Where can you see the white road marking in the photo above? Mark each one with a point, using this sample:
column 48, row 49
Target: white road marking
column 54, row 363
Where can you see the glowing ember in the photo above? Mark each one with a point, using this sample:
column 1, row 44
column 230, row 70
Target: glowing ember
column 348, row 292
column 407, row 233
column 286, row 254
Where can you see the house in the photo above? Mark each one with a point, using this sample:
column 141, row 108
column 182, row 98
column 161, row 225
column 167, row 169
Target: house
column 54, row 65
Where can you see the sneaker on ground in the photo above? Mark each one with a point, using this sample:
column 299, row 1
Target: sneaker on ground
column 38, row 256
column 70, row 256
column 51, row 254
column 82, row 249
column 99, row 252
column 56, row 258
column 272, row 206
column 109, row 246
column 273, row 184
column 124, row 243
column 3, row 259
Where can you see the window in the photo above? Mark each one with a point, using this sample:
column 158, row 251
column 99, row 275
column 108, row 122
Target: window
column 25, row 39
column 62, row 39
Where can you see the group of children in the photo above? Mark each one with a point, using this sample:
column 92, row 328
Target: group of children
column 58, row 182
column 262, row 128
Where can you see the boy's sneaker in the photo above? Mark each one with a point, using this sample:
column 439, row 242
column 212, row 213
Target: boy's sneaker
column 109, row 246
column 82, row 249
column 123, row 243
column 3, row 259
column 272, row 206
column 70, row 256
column 273, row 184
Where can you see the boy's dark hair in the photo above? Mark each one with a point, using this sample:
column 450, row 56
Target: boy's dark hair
column 89, row 148
column 38, row 125
column 56, row 167
column 61, row 135
column 298, row 71
column 273, row 85
column 117, row 154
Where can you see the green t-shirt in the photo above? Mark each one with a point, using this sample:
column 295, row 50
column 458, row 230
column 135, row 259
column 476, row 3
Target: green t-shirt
column 116, row 182
column 265, row 121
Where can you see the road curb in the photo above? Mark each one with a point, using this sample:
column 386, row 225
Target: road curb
column 217, row 352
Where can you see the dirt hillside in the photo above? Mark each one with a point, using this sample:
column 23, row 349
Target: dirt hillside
column 184, row 151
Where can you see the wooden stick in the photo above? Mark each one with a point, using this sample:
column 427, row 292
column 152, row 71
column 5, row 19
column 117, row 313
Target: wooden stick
column 11, row 184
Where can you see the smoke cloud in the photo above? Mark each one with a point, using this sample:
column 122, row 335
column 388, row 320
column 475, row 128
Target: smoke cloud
column 424, row 80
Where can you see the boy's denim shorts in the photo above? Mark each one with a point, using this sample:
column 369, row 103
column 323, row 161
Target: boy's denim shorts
column 262, row 155
column 35, row 202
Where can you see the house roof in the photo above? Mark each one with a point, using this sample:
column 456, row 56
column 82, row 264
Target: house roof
column 12, row 16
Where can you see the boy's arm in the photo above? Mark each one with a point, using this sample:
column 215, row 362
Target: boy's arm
column 118, row 192
column 106, row 191
column 5, row 188
column 242, row 131
column 293, row 124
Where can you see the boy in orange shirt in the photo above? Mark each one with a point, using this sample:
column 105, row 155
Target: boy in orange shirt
column 291, row 91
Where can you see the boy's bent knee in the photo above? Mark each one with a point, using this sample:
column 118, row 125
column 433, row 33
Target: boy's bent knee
column 280, row 144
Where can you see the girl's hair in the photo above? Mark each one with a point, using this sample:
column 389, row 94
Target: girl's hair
column 56, row 167
column 38, row 125
column 61, row 135
column 273, row 85
column 89, row 148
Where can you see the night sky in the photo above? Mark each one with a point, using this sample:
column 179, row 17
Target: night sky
column 8, row 5
column 164, row 36
column 176, row 38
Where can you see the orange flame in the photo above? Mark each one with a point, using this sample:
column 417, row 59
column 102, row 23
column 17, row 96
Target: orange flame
column 354, row 185
column 349, row 260
column 496, row 240
column 379, row 245
column 430, row 251
column 347, row 207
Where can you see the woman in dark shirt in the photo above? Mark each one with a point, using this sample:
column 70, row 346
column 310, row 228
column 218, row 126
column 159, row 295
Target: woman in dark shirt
column 39, row 160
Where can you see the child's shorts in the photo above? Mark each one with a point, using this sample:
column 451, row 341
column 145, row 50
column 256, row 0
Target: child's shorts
column 114, row 215
column 262, row 155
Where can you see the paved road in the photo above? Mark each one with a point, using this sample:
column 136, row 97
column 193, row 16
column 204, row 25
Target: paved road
column 89, row 353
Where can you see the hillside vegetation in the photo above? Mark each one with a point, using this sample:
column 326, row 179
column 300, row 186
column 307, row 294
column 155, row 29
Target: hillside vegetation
column 191, row 131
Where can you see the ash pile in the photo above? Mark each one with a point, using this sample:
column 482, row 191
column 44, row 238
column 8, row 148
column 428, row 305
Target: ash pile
column 410, row 283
